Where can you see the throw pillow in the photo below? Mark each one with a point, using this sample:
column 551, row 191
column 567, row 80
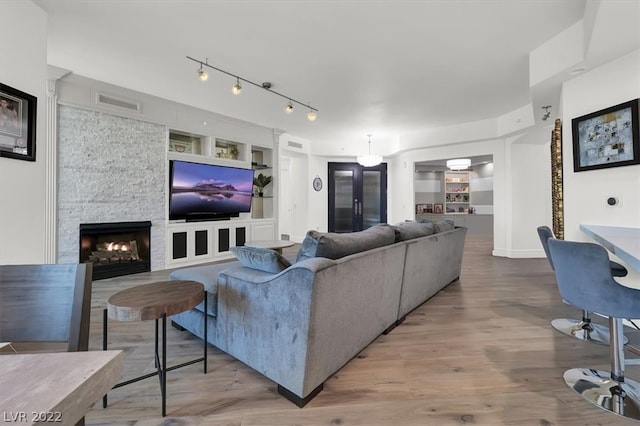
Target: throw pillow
column 443, row 225
column 336, row 245
column 410, row 230
column 261, row 259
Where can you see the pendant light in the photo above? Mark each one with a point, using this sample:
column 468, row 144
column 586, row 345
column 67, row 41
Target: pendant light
column 369, row 160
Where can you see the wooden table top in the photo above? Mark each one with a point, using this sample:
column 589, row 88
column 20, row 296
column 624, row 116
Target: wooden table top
column 270, row 244
column 150, row 301
column 62, row 386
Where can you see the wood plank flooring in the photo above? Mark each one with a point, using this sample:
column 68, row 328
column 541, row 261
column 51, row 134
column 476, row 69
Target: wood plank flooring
column 480, row 352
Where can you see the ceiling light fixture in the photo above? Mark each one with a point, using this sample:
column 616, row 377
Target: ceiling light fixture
column 459, row 163
column 237, row 88
column 266, row 86
column 202, row 74
column 289, row 107
column 369, row 160
column 312, row 115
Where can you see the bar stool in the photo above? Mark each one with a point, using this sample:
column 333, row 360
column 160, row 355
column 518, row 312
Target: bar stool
column 584, row 279
column 581, row 329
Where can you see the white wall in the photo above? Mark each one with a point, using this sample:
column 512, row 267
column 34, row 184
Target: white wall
column 23, row 66
column 530, row 190
column 586, row 192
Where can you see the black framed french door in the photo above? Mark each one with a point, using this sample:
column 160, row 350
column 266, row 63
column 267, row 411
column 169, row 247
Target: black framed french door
column 357, row 196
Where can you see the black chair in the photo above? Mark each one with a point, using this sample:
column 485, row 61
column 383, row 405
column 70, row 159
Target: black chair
column 583, row 329
column 41, row 304
column 585, row 279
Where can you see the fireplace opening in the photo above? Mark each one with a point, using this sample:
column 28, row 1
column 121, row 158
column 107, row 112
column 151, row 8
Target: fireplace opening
column 116, row 249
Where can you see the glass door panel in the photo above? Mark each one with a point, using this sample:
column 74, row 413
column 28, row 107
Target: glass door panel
column 371, row 205
column 343, row 212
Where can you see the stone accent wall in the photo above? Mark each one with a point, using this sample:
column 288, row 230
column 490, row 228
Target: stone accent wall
column 110, row 169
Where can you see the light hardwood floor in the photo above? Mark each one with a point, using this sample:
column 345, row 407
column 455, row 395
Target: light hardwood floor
column 480, row 352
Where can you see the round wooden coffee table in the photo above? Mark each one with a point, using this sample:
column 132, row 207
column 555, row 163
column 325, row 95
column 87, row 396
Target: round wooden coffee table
column 152, row 301
column 276, row 245
column 156, row 301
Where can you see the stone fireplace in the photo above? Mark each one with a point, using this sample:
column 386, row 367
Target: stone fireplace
column 116, row 249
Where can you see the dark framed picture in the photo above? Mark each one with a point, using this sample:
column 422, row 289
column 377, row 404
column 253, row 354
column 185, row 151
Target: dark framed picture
column 438, row 208
column 17, row 124
column 428, row 208
column 607, row 138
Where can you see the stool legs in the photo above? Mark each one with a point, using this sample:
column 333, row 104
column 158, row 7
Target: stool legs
column 610, row 391
column 584, row 329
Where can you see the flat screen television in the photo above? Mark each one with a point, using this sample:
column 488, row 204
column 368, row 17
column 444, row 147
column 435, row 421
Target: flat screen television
column 199, row 191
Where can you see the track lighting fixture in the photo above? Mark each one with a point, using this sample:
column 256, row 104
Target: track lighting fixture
column 547, row 113
column 237, row 88
column 311, row 116
column 202, row 74
column 369, row 160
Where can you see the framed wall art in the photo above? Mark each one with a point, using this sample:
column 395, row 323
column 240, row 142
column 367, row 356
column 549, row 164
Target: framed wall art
column 17, row 124
column 606, row 138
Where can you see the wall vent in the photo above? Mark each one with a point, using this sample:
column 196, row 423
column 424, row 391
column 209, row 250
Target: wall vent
column 295, row 144
column 112, row 101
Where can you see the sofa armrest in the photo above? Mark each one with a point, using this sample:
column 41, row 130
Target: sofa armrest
column 264, row 319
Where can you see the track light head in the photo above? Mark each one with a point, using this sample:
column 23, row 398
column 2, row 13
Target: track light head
column 289, row 107
column 237, row 88
column 311, row 116
column 202, row 74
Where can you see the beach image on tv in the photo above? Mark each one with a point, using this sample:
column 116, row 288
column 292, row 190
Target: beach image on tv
column 205, row 188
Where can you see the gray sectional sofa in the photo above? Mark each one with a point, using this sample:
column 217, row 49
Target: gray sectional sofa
column 299, row 323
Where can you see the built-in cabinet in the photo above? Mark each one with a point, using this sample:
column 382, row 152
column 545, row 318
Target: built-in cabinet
column 191, row 243
column 457, row 194
column 465, row 196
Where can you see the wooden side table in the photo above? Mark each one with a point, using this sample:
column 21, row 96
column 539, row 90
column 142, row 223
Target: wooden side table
column 276, row 245
column 155, row 301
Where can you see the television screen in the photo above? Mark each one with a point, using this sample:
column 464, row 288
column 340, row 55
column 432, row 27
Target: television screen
column 200, row 191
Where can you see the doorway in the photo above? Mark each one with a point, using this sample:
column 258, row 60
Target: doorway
column 357, row 196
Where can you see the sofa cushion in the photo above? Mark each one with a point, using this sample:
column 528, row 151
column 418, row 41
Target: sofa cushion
column 410, row 230
column 262, row 259
column 443, row 225
column 208, row 276
column 336, row 245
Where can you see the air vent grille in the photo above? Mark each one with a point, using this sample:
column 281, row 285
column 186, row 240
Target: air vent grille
column 295, row 144
column 113, row 101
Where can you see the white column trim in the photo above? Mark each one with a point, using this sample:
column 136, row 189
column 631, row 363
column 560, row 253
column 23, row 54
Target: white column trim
column 51, row 166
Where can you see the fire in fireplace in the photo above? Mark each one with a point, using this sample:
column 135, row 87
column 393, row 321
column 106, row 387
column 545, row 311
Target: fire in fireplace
column 116, row 249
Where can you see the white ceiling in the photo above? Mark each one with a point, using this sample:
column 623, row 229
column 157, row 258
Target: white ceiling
column 382, row 67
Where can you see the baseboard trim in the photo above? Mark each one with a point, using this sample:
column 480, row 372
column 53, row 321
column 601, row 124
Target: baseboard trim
column 300, row 402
